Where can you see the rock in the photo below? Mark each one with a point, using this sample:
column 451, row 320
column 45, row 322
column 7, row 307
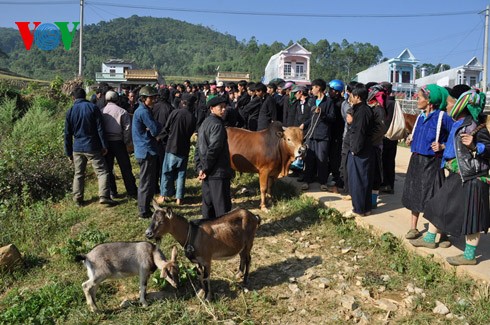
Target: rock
column 385, row 278
column 386, row 305
column 410, row 288
column 409, row 302
column 365, row 293
column 349, row 302
column 302, row 312
column 358, row 283
column 229, row 322
column 291, row 308
column 341, row 242
column 322, row 286
column 9, row 257
column 382, row 289
column 324, row 280
column 449, row 316
column 418, row 290
column 243, row 190
column 346, row 250
column 294, row 288
column 125, row 304
column 440, row 308
column 298, row 219
column 292, row 279
column 315, row 246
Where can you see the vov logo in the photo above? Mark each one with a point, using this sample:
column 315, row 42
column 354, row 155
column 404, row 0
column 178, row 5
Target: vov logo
column 47, row 36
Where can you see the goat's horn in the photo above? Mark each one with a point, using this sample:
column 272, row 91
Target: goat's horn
column 174, row 254
column 155, row 205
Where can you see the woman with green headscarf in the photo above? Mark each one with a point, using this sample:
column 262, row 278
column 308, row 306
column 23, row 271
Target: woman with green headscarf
column 461, row 205
column 427, row 143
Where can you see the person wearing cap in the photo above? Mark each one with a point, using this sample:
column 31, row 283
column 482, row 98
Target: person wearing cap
column 300, row 109
column 317, row 130
column 250, row 112
column 285, row 102
column 461, row 206
column 144, row 131
column 177, row 133
column 117, row 127
column 85, row 141
column 268, row 109
column 212, row 160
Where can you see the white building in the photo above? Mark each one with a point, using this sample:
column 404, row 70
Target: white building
column 400, row 71
column 469, row 74
column 292, row 64
column 117, row 72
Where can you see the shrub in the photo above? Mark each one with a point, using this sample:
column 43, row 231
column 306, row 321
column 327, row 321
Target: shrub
column 32, row 159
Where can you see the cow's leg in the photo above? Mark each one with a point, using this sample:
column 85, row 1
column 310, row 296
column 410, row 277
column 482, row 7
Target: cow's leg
column 270, row 181
column 263, row 178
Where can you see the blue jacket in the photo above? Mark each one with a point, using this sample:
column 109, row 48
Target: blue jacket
column 425, row 132
column 84, row 124
column 145, row 129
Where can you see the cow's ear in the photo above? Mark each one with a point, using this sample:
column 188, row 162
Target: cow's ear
column 279, row 134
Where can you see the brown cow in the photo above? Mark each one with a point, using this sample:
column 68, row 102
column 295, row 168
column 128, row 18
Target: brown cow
column 269, row 152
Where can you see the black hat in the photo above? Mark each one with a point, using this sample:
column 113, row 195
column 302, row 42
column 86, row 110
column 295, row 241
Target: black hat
column 215, row 101
column 458, row 90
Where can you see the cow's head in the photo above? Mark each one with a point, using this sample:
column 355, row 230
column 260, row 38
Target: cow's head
column 293, row 137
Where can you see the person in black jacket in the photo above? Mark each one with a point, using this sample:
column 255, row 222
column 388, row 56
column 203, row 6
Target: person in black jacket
column 317, row 131
column 213, row 162
column 177, row 133
column 268, row 110
column 251, row 110
column 389, row 146
column 161, row 111
column 360, row 155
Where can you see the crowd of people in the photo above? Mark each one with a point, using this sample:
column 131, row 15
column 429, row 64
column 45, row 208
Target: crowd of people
column 344, row 128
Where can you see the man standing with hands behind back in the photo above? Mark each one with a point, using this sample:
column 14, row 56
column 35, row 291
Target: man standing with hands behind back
column 213, row 161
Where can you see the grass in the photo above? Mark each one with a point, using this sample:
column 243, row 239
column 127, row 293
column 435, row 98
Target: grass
column 299, row 238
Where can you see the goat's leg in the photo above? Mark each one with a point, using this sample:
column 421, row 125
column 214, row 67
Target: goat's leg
column 144, row 275
column 202, row 292
column 241, row 269
column 89, row 289
column 207, row 282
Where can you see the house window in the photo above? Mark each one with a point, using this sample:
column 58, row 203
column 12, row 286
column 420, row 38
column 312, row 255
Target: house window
column 300, row 70
column 112, row 72
column 287, row 69
column 472, row 81
column 406, row 77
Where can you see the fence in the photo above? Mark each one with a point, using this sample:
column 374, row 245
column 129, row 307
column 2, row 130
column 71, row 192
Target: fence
column 410, row 107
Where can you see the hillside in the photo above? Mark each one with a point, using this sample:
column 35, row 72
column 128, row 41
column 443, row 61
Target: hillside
column 175, row 48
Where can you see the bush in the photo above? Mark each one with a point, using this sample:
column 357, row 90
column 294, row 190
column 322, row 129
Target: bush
column 32, row 159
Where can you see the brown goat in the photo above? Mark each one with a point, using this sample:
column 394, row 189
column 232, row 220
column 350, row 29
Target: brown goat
column 214, row 239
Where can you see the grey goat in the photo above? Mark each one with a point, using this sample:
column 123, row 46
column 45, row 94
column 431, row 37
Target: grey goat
column 124, row 259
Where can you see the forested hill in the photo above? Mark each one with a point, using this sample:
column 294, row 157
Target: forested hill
column 176, row 48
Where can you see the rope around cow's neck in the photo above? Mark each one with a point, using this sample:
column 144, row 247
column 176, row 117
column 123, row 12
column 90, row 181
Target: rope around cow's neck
column 309, row 134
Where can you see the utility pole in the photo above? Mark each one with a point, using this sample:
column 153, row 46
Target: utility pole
column 485, row 52
column 80, row 50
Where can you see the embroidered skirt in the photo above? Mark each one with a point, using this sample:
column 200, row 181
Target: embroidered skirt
column 424, row 177
column 459, row 208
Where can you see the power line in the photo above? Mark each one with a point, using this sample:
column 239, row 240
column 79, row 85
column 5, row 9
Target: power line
column 283, row 14
column 33, row 3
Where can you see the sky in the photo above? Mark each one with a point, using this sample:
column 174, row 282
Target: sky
column 435, row 31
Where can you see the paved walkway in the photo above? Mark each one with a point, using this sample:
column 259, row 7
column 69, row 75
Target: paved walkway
column 391, row 216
